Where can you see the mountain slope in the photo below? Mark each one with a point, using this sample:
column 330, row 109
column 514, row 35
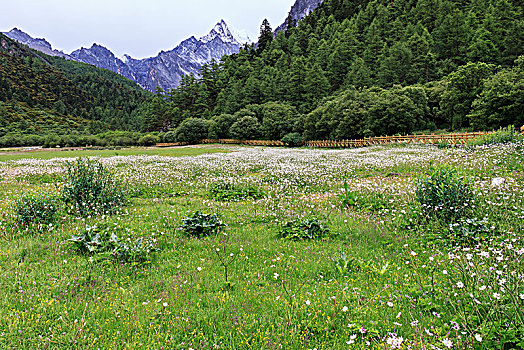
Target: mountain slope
column 65, row 88
column 167, row 68
column 101, row 57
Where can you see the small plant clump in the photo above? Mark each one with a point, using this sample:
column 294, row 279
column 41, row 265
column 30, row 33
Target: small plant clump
column 444, row 194
column 202, row 225
column 37, row 208
column 470, row 231
column 224, row 191
column 367, row 202
column 91, row 188
column 98, row 240
column 304, row 229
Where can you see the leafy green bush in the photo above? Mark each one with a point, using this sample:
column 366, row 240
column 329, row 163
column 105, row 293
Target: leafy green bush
column 348, row 198
column 444, row 145
column 37, row 208
column 220, row 125
column 502, row 135
column 169, row 137
column 202, row 224
column 148, row 140
column 225, row 191
column 444, row 194
column 293, row 139
column 99, row 240
column 192, row 130
column 246, row 128
column 347, row 264
column 304, row 229
column 91, row 188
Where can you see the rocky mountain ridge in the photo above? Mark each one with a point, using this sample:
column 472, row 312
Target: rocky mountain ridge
column 299, row 10
column 38, row 44
column 164, row 70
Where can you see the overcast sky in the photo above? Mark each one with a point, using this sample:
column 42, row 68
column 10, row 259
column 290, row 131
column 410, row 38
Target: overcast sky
column 140, row 28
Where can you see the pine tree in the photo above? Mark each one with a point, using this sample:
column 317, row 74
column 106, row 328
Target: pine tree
column 266, row 36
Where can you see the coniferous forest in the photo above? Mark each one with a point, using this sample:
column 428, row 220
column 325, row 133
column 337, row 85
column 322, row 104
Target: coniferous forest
column 362, row 68
column 350, row 69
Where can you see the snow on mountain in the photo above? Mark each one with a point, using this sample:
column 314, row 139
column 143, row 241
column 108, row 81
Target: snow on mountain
column 226, row 34
column 167, row 68
column 241, row 36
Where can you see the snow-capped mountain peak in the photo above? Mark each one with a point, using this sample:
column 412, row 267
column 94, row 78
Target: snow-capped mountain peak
column 227, row 35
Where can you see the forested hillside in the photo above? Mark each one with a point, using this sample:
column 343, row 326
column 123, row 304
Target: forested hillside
column 362, row 68
column 44, row 95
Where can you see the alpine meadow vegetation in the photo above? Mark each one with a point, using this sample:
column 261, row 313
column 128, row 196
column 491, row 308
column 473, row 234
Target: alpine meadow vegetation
column 388, row 247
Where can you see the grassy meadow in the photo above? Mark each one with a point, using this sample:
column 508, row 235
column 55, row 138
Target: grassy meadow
column 382, row 271
column 16, row 154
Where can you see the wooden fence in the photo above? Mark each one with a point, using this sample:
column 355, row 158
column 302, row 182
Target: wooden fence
column 455, row 139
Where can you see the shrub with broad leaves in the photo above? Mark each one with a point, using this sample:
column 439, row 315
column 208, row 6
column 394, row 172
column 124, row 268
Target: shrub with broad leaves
column 99, row 240
column 202, row 224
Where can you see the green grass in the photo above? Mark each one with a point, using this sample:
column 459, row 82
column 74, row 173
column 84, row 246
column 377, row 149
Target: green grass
column 56, row 153
column 278, row 293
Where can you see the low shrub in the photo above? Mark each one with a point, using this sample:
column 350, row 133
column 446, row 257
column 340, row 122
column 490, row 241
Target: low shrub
column 91, row 188
column 345, row 264
column 224, row 191
column 444, row 145
column 37, row 208
column 502, row 135
column 304, row 229
column 169, row 137
column 202, row 224
column 192, row 130
column 444, row 194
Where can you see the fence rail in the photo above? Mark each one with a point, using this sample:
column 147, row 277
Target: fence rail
column 455, row 139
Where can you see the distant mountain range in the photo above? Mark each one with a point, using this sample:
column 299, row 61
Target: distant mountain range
column 164, row 70
column 167, row 68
